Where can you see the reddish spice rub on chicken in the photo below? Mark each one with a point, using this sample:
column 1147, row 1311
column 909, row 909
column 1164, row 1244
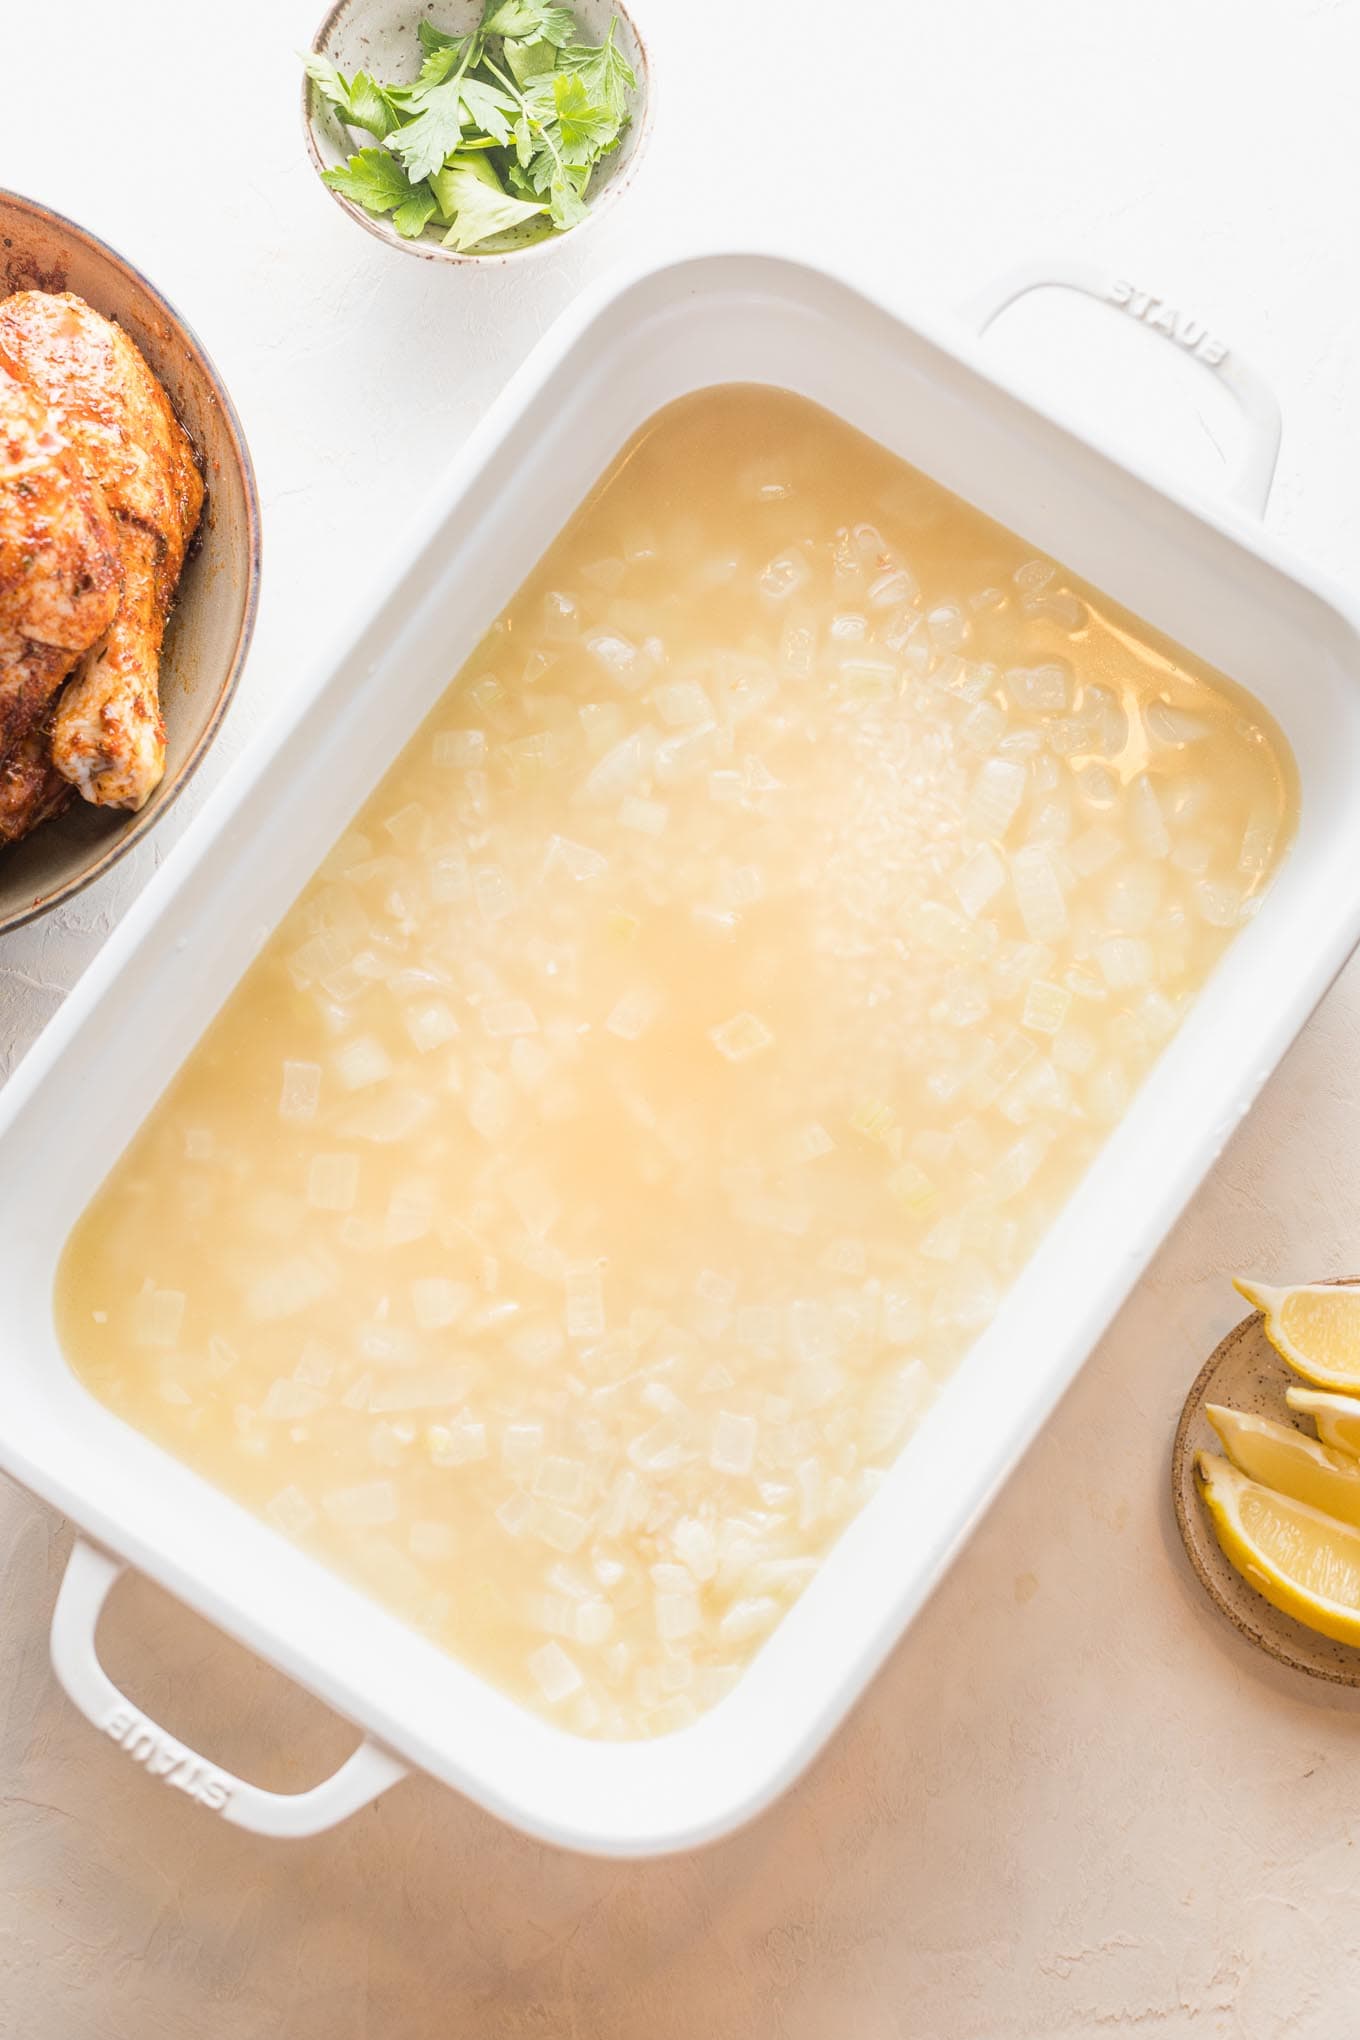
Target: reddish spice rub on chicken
column 108, row 738
column 60, row 588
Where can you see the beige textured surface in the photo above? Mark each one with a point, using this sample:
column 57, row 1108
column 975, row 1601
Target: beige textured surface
column 1074, row 1805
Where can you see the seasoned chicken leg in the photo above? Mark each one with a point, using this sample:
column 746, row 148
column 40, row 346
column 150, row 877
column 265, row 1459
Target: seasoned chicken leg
column 108, row 738
column 59, row 563
column 31, row 788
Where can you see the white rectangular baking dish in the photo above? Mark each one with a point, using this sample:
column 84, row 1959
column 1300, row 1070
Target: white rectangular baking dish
column 1209, row 577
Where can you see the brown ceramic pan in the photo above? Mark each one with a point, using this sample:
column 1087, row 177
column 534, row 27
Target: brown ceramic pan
column 214, row 614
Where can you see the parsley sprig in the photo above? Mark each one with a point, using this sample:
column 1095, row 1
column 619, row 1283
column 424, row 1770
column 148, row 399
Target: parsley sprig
column 494, row 142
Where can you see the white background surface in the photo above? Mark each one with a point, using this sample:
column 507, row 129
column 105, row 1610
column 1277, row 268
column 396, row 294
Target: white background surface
column 1073, row 1804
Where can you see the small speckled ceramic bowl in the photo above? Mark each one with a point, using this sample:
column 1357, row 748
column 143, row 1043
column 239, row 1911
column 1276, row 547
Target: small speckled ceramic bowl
column 214, row 614
column 379, row 36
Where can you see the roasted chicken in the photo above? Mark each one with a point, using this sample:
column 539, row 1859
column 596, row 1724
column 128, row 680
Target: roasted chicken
column 31, row 788
column 60, row 588
column 108, row 738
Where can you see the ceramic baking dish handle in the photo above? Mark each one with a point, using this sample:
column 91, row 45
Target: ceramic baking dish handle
column 1255, row 399
column 90, row 1574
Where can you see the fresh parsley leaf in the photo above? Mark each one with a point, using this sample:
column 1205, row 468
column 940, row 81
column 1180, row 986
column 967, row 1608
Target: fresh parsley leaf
column 329, row 82
column 532, row 109
column 431, row 138
column 438, row 65
column 362, row 103
column 370, row 107
column 480, row 207
column 566, row 197
column 414, row 214
column 541, row 172
column 373, row 179
column 517, row 19
column 530, row 58
column 446, row 185
column 539, row 97
column 487, row 107
column 605, row 72
column 585, row 126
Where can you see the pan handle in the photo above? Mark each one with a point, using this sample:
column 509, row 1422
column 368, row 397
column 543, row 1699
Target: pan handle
column 90, row 1575
column 1255, row 399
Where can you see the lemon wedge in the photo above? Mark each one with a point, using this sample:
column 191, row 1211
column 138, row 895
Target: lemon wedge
column 1337, row 1416
column 1289, row 1461
column 1302, row 1562
column 1314, row 1327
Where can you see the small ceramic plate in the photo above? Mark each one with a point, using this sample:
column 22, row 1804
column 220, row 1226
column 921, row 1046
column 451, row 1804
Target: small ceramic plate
column 379, row 36
column 1245, row 1373
column 214, row 613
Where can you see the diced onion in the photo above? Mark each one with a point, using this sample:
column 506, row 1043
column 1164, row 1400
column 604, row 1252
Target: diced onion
column 1038, row 894
column 749, row 1617
column 291, row 1511
column 633, row 1014
column 361, row 1062
column 733, row 1445
column 456, row 1443
column 557, row 1675
column 978, row 880
column 1046, row 1006
column 300, row 1092
column 290, row 1401
column 997, row 793
column 430, row 1024
column 741, row 1037
column 362, row 1507
column 157, row 1316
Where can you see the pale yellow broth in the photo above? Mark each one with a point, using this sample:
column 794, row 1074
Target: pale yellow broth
column 587, row 1190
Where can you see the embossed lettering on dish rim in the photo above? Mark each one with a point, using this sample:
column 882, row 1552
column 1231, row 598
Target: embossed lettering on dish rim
column 165, row 1758
column 1154, row 312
